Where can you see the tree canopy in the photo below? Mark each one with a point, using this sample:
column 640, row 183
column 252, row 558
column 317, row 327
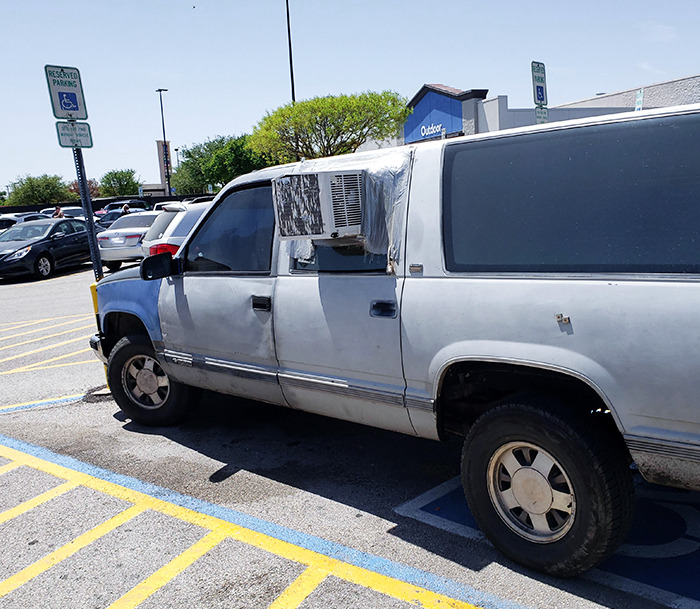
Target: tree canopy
column 328, row 126
column 119, row 183
column 44, row 190
column 93, row 188
column 214, row 162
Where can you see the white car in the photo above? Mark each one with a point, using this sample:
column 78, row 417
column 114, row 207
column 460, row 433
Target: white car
column 172, row 226
column 122, row 241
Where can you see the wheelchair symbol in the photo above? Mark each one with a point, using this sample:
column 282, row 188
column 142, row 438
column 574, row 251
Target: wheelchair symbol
column 687, row 543
column 540, row 94
column 69, row 101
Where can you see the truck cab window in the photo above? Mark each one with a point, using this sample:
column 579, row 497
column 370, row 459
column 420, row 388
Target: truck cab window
column 237, row 236
column 342, row 259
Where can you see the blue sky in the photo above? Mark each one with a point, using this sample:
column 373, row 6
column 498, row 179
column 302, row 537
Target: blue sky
column 225, row 62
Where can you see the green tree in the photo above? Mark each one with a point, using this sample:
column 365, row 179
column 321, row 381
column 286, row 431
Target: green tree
column 328, row 126
column 43, row 191
column 234, row 159
column 119, row 183
column 190, row 176
column 214, row 162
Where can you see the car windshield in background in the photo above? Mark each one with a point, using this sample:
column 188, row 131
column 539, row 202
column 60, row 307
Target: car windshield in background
column 25, row 232
column 133, row 220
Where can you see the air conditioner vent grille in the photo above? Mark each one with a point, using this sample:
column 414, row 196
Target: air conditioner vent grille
column 346, row 199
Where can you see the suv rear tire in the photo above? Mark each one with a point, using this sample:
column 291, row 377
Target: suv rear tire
column 550, row 491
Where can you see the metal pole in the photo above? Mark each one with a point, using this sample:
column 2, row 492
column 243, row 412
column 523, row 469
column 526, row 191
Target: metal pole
column 87, row 210
column 166, row 159
column 291, row 65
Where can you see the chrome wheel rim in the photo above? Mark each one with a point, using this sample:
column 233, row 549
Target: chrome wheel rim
column 145, row 382
column 44, row 266
column 531, row 492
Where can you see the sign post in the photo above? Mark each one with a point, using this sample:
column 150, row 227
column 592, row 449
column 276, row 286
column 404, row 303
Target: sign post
column 68, row 102
column 539, row 92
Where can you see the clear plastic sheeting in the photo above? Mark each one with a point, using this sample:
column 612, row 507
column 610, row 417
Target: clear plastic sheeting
column 387, row 178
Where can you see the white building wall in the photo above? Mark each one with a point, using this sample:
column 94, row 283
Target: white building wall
column 676, row 92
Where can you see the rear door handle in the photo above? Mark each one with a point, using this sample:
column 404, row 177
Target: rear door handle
column 383, row 308
column 262, row 303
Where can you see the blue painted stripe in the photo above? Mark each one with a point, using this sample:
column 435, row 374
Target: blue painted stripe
column 44, row 403
column 331, row 549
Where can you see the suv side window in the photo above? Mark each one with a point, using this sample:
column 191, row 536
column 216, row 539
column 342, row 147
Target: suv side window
column 616, row 198
column 342, row 259
column 237, row 235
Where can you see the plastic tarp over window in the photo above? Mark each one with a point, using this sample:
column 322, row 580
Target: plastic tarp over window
column 387, row 179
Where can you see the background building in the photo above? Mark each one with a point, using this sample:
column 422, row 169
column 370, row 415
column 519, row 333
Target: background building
column 442, row 111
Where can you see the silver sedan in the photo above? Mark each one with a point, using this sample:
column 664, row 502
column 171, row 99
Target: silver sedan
column 122, row 241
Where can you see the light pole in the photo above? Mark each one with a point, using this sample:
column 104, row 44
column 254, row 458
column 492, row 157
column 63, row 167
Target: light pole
column 177, row 157
column 291, row 65
column 166, row 160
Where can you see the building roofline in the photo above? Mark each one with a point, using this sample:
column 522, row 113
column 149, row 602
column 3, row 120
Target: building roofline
column 447, row 92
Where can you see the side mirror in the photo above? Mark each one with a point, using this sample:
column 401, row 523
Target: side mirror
column 59, row 235
column 159, row 266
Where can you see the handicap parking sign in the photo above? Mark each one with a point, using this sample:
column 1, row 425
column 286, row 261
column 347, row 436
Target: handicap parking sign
column 66, row 92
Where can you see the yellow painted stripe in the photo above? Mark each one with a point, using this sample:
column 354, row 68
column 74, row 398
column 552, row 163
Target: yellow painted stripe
column 34, row 367
column 388, row 586
column 40, row 338
column 44, row 328
column 25, row 324
column 57, row 491
column 297, row 592
column 8, row 467
column 80, row 542
column 65, row 342
column 64, row 397
column 42, row 364
column 168, row 572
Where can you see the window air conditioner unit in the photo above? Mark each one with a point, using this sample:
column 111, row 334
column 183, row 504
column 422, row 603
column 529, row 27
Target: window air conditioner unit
column 320, row 206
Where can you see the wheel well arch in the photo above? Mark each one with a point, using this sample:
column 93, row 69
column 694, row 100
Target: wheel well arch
column 47, row 254
column 117, row 325
column 467, row 389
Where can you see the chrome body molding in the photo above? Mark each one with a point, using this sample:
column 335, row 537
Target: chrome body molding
column 663, row 448
column 244, row 371
column 665, row 462
column 418, row 403
column 342, row 388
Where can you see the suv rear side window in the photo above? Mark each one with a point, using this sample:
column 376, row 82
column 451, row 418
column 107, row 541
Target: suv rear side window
column 237, row 235
column 611, row 198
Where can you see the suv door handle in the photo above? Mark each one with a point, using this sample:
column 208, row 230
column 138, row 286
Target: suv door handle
column 383, row 308
column 262, row 303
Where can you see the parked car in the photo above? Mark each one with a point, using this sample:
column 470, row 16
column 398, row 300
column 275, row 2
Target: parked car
column 121, row 242
column 70, row 211
column 134, row 205
column 7, row 220
column 104, row 221
column 170, row 228
column 40, row 246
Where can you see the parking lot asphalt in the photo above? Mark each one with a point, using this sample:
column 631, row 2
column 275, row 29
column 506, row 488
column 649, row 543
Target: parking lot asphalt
column 243, row 505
